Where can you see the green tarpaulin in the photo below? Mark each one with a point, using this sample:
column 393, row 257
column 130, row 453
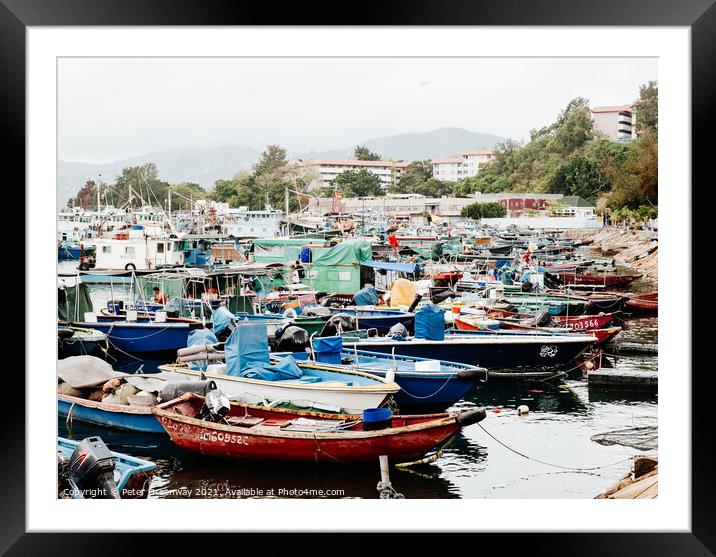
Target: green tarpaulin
column 73, row 302
column 350, row 252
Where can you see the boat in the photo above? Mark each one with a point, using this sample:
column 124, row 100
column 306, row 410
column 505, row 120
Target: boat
column 73, row 250
column 283, row 435
column 585, row 322
column 116, row 416
column 576, row 322
column 74, row 341
column 603, row 335
column 604, row 279
column 143, row 336
column 380, row 319
column 423, row 382
column 643, row 303
column 490, row 349
column 131, row 474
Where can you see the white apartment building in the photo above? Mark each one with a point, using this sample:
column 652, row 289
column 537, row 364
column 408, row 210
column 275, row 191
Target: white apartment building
column 323, row 172
column 617, row 122
column 464, row 165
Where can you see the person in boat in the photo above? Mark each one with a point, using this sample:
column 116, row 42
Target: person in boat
column 293, row 275
column 299, row 270
column 159, row 296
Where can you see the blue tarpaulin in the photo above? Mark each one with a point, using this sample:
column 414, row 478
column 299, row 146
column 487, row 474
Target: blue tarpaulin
column 285, row 368
column 246, row 346
column 221, row 317
column 201, row 336
column 247, row 355
column 430, row 323
column 328, row 349
column 366, row 297
column 391, row 266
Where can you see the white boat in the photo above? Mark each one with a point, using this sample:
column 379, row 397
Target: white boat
column 242, row 223
column 351, row 391
column 138, row 252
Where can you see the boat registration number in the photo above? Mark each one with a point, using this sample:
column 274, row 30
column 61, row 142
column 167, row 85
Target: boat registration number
column 586, row 324
column 230, row 438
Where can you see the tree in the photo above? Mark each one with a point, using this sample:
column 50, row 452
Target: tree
column 87, row 196
column 138, row 184
column 362, row 153
column 190, row 190
column 358, row 183
column 415, row 175
column 223, row 190
column 434, row 188
column 483, row 211
column 647, row 109
column 580, row 176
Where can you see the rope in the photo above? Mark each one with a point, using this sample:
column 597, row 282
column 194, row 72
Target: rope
column 68, row 419
column 550, row 463
column 432, row 394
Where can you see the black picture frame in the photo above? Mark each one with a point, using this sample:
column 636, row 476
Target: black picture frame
column 699, row 15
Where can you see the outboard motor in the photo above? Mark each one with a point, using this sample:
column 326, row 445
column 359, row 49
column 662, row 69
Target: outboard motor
column 338, row 323
column 543, row 319
column 89, row 471
column 216, row 406
column 415, row 303
column 398, row 330
column 174, row 389
column 292, row 339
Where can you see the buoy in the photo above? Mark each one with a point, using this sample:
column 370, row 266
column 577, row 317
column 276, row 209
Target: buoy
column 589, row 365
column 496, row 410
column 522, row 410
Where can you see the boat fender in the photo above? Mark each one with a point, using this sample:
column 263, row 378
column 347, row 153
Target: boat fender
column 473, row 373
column 470, row 417
column 523, row 410
column 175, row 389
column 290, row 313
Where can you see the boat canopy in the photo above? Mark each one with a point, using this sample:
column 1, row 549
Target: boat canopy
column 247, row 355
column 391, row 266
column 350, row 252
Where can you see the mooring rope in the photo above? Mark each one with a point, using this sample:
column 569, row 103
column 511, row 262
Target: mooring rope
column 550, row 463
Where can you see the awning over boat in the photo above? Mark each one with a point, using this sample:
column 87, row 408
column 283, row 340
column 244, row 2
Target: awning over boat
column 391, row 266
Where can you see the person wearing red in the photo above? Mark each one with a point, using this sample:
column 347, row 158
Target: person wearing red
column 159, row 296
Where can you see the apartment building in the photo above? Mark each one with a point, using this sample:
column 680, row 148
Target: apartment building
column 464, row 165
column 321, row 173
column 617, row 122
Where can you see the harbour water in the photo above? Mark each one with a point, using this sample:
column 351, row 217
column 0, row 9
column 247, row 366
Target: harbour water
column 550, row 454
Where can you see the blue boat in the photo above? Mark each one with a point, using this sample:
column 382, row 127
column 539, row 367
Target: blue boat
column 116, row 416
column 73, row 250
column 131, row 474
column 74, row 341
column 491, row 349
column 380, row 319
column 425, row 383
column 144, row 336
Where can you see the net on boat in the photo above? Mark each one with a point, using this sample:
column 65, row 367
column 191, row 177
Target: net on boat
column 642, row 438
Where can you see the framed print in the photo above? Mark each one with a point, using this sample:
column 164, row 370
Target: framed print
column 300, row 273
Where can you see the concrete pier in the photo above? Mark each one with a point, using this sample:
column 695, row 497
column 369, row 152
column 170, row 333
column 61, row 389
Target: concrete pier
column 623, row 380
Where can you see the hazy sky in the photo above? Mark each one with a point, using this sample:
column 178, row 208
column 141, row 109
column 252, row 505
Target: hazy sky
column 111, row 109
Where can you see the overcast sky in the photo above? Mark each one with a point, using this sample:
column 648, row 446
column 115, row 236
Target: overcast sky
column 110, row 109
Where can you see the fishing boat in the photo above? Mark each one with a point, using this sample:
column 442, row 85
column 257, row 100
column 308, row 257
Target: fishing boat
column 643, row 303
column 604, row 279
column 603, row 335
column 74, row 341
column 131, row 474
column 143, row 336
column 380, row 319
column 73, row 250
column 576, row 322
column 116, row 416
column 279, row 434
column 498, row 349
column 424, row 382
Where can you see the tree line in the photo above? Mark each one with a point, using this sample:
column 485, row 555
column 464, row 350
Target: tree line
column 568, row 156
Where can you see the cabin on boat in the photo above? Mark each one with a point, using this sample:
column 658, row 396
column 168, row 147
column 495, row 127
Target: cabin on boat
column 138, row 253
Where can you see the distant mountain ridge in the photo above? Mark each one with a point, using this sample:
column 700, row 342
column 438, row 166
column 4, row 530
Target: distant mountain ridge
column 205, row 165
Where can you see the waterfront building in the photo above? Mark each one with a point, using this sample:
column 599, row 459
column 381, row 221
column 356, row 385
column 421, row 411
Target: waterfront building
column 321, row 173
column 464, row 165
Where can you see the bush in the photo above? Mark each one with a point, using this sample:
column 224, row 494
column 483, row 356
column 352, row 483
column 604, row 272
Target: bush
column 483, row 211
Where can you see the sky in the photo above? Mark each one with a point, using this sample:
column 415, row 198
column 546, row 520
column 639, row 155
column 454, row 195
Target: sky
column 113, row 108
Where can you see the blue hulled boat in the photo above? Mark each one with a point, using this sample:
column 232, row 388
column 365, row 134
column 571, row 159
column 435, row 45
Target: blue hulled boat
column 116, row 416
column 144, row 336
column 380, row 319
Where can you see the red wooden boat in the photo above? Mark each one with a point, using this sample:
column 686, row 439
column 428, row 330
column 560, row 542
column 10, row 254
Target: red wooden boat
column 643, row 303
column 598, row 279
column 280, row 434
column 447, row 277
column 585, row 322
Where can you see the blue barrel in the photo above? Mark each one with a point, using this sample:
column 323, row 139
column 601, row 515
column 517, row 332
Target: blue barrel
column 305, row 255
column 377, row 418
